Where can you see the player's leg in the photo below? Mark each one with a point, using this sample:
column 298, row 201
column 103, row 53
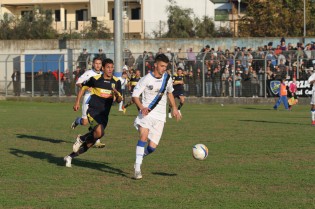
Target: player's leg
column 313, row 114
column 277, row 104
column 285, row 102
column 181, row 102
column 143, row 133
column 169, row 111
column 155, row 134
column 83, row 119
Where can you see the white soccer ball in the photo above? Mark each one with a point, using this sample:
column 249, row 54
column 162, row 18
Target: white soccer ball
column 200, row 151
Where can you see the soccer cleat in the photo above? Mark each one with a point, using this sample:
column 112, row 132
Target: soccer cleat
column 74, row 124
column 124, row 109
column 313, row 123
column 99, row 145
column 138, row 175
column 77, row 144
column 68, row 160
column 169, row 115
column 179, row 112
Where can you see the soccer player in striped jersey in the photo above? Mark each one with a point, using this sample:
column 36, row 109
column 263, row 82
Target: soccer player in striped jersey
column 132, row 83
column 178, row 85
column 155, row 88
column 105, row 89
column 83, row 120
column 311, row 80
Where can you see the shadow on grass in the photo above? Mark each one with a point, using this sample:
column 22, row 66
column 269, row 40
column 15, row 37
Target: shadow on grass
column 257, row 108
column 164, row 174
column 55, row 141
column 76, row 161
column 276, row 122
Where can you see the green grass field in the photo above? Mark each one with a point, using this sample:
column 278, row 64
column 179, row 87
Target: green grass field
column 258, row 158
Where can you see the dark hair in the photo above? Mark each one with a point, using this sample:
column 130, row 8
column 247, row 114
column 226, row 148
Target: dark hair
column 107, row 61
column 97, row 58
column 161, row 57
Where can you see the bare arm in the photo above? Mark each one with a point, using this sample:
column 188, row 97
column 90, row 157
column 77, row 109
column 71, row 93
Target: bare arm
column 76, row 105
column 144, row 110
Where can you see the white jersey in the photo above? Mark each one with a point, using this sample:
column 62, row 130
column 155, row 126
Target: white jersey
column 312, row 78
column 86, row 76
column 154, row 94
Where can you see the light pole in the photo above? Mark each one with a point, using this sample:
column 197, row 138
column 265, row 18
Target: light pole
column 304, row 34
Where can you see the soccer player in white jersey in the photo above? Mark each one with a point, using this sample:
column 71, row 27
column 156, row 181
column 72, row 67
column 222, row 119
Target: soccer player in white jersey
column 155, row 87
column 311, row 80
column 83, row 120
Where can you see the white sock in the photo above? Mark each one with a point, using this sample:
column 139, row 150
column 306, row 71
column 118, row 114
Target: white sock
column 120, row 105
column 139, row 157
column 313, row 115
column 98, row 141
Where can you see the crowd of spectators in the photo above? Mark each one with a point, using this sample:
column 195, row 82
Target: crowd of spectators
column 241, row 72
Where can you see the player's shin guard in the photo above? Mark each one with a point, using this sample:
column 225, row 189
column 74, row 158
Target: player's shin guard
column 180, row 105
column 148, row 150
column 139, row 154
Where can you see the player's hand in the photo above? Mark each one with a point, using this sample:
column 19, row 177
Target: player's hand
column 115, row 92
column 76, row 107
column 145, row 111
column 177, row 115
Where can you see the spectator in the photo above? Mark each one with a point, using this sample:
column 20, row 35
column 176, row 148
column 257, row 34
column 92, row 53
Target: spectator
column 101, row 54
column 41, row 81
column 217, row 81
column 83, row 59
column 16, row 79
column 191, row 57
column 209, row 83
column 198, row 82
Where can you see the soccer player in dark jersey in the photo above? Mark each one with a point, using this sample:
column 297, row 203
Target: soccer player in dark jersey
column 178, row 85
column 105, row 89
column 132, row 83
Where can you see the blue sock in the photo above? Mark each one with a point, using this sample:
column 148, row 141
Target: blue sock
column 78, row 120
column 148, row 150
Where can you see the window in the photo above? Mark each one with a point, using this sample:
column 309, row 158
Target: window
column 221, row 15
column 81, row 15
column 28, row 15
column 135, row 14
column 57, row 16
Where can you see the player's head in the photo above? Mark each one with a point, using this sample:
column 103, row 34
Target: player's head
column 179, row 71
column 108, row 67
column 138, row 73
column 97, row 63
column 160, row 64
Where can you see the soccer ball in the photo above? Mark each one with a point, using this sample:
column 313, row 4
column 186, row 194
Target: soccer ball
column 200, row 152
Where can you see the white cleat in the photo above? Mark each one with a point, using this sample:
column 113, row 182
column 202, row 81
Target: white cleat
column 179, row 112
column 68, row 160
column 169, row 115
column 138, row 175
column 77, row 144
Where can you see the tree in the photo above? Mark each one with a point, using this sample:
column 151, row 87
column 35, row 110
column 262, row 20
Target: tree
column 275, row 18
column 6, row 26
column 205, row 27
column 180, row 23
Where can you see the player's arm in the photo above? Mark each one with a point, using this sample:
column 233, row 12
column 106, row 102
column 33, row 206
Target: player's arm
column 117, row 92
column 137, row 91
column 76, row 105
column 171, row 99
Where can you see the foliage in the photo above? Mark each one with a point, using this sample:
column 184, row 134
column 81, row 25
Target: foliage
column 97, row 30
column 276, row 18
column 35, row 24
column 205, row 27
column 180, row 24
